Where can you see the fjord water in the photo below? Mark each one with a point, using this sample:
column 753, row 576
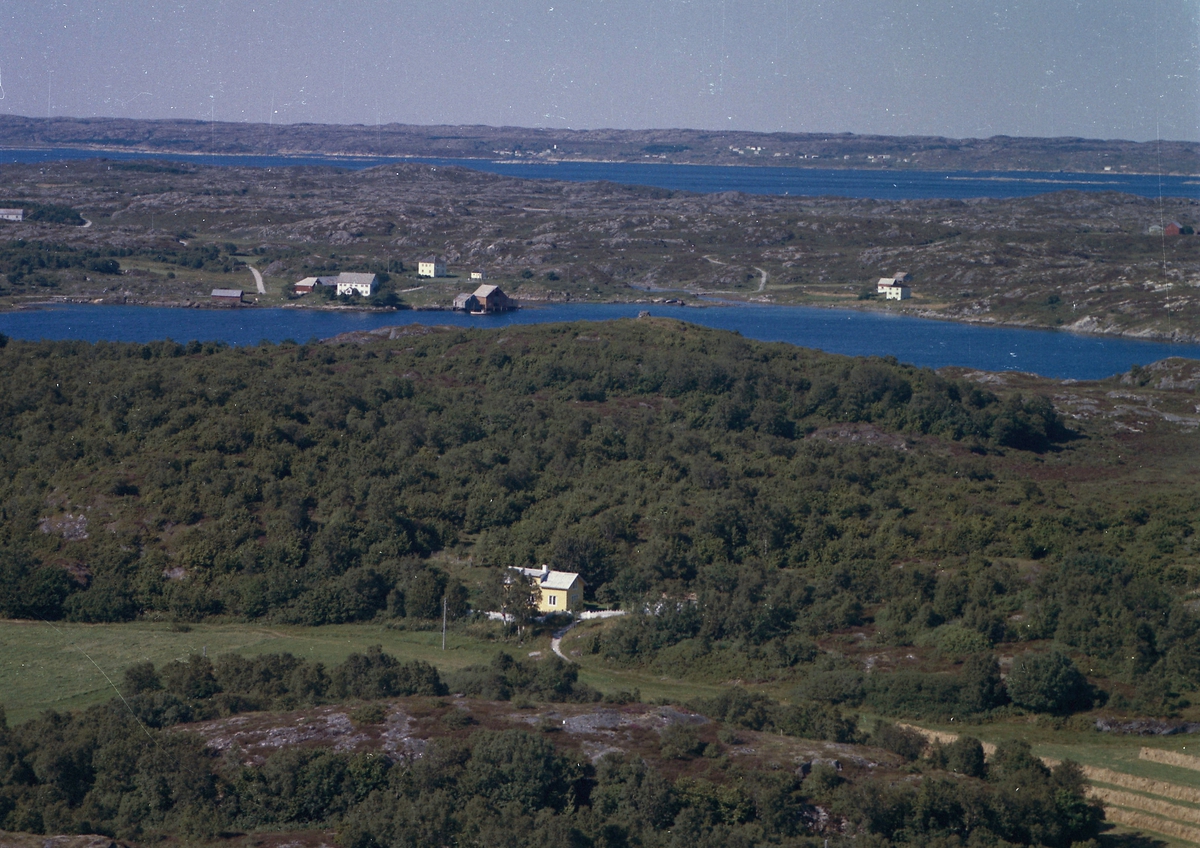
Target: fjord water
column 920, row 341
column 875, row 184
column 917, row 340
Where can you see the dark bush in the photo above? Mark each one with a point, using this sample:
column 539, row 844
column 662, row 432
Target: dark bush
column 1048, row 683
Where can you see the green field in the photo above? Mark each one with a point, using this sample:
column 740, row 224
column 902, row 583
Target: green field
column 64, row 666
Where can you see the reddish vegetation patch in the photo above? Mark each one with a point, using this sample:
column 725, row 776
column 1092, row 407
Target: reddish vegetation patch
column 588, row 731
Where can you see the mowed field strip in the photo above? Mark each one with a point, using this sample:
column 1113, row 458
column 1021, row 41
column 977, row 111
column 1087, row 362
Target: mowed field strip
column 1170, row 758
column 1130, row 800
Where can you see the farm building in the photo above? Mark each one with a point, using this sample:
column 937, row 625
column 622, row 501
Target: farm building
column 344, row 283
column 306, row 285
column 493, row 299
column 559, row 591
column 229, row 296
column 895, row 287
column 484, row 299
column 431, row 266
column 362, row 284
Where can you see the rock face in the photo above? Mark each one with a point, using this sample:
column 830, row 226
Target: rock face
column 73, row 528
column 1147, row 727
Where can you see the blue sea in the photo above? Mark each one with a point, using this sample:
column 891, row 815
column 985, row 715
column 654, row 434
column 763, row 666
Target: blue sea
column 920, row 341
column 881, row 185
column 917, row 340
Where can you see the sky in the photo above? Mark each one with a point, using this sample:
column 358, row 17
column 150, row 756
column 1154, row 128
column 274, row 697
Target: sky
column 1126, row 69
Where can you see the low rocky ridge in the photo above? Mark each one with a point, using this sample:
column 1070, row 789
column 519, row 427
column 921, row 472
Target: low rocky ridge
column 401, row 728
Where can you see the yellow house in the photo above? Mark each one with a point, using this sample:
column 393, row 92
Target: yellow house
column 559, row 591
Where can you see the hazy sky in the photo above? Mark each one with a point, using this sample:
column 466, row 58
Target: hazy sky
column 962, row 68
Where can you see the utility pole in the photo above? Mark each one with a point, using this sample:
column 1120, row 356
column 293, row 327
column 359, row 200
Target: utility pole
column 443, row 622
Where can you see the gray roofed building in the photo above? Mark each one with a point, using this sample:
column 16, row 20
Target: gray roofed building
column 355, row 283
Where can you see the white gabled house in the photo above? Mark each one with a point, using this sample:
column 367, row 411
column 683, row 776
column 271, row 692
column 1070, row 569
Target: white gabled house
column 431, row 266
column 895, row 287
column 350, row 283
column 345, row 283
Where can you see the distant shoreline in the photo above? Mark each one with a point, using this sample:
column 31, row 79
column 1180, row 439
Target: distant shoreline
column 419, row 158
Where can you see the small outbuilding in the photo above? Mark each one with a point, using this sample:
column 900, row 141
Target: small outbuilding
column 16, row 215
column 309, row 284
column 431, row 266
column 227, row 296
column 478, row 275
column 558, row 591
column 1174, row 228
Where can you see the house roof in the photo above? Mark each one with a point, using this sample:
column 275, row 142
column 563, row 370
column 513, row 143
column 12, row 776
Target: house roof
column 552, row 579
column 484, row 291
column 227, row 293
column 432, row 259
column 356, row 279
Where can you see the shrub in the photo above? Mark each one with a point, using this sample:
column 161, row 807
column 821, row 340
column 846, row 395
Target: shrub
column 680, row 742
column 1048, row 683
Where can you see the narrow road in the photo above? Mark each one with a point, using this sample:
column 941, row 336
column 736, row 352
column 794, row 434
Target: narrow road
column 86, row 223
column 762, row 283
column 258, row 280
column 556, row 641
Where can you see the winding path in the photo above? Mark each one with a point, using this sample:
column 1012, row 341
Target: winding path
column 763, row 276
column 556, row 641
column 258, row 280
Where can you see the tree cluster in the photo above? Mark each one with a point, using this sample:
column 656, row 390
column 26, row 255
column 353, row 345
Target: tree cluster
column 661, row 461
column 100, row 771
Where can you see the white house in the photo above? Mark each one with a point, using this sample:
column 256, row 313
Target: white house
column 895, row 287
column 12, row 214
column 431, row 266
column 478, row 275
column 350, row 283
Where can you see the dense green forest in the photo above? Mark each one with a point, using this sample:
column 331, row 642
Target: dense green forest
column 689, row 475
